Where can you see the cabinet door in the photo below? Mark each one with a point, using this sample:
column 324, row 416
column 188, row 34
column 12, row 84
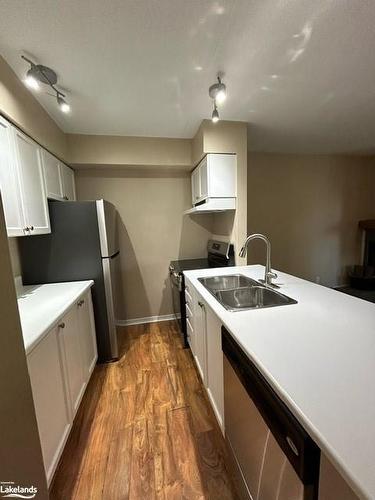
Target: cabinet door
column 33, row 193
column 222, row 175
column 9, row 182
column 67, row 182
column 52, row 175
column 47, row 382
column 215, row 376
column 195, row 186
column 86, row 328
column 203, row 178
column 200, row 337
column 69, row 338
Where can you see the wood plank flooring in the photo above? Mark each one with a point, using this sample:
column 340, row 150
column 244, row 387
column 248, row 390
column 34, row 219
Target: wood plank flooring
column 145, row 429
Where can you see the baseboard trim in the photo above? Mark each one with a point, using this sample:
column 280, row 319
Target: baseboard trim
column 146, row 319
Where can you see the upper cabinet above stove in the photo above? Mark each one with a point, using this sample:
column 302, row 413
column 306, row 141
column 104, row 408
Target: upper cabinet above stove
column 213, row 184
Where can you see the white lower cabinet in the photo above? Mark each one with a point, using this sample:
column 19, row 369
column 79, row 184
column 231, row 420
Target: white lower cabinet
column 86, row 327
column 60, row 367
column 50, row 399
column 204, row 329
column 73, row 359
column 215, row 376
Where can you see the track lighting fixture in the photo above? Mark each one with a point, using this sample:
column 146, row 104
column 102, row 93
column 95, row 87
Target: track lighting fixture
column 218, row 91
column 42, row 74
column 215, row 114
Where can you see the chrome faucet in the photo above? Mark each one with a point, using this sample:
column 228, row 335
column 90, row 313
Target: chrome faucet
column 268, row 274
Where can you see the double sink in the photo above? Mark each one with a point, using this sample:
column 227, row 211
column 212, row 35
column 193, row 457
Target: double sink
column 237, row 292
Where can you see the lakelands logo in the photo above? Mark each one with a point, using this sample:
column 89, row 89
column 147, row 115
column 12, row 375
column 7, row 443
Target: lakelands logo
column 11, row 490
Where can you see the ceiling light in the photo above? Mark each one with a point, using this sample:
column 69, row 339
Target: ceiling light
column 63, row 105
column 218, row 91
column 43, row 74
column 31, row 81
column 215, row 115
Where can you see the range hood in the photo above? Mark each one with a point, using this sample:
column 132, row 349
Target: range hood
column 213, row 205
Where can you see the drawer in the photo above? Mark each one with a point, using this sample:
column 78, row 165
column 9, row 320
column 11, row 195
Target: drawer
column 189, row 312
column 188, row 296
column 189, row 331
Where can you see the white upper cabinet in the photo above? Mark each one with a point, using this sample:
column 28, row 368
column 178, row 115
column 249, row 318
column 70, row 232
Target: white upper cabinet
column 33, row 195
column 9, row 182
column 59, row 178
column 52, row 175
column 213, row 183
column 67, row 183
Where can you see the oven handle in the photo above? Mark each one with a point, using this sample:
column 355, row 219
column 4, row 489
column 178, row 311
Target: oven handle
column 176, row 278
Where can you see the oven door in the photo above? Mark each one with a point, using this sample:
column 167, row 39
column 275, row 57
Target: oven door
column 177, row 292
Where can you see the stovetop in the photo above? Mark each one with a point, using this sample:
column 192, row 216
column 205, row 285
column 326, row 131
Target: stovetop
column 189, row 264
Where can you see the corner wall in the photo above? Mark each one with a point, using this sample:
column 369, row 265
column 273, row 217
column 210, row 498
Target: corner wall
column 152, row 230
column 309, row 206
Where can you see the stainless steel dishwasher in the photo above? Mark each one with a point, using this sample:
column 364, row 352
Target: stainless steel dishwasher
column 273, row 458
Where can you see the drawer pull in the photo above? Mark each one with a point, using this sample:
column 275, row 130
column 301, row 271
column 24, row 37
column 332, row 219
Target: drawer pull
column 61, row 325
column 201, row 304
column 80, row 303
column 292, row 446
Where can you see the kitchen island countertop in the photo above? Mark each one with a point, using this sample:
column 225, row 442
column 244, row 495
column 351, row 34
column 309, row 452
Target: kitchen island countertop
column 319, row 356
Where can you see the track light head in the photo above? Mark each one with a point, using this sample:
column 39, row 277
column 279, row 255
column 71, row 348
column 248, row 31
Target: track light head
column 63, row 105
column 218, row 91
column 31, row 80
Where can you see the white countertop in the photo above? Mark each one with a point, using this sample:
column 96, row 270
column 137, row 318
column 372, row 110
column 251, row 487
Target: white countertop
column 319, row 356
column 42, row 306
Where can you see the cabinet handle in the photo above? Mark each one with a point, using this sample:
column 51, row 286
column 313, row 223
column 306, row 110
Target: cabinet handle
column 26, row 229
column 292, row 446
column 200, row 304
column 80, row 303
column 61, row 325
column 66, row 198
column 31, row 228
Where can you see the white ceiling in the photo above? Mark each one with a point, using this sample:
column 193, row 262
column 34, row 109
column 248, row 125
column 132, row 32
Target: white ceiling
column 301, row 72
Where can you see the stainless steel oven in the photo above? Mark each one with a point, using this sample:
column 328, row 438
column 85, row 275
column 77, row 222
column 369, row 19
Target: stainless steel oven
column 219, row 254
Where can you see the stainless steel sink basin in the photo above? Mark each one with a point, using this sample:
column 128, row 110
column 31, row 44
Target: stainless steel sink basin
column 227, row 282
column 252, row 297
column 237, row 292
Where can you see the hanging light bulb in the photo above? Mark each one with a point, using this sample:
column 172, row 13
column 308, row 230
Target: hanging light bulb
column 215, row 114
column 63, row 105
column 218, row 91
column 31, row 81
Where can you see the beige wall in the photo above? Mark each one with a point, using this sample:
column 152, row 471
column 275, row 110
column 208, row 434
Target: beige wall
column 153, row 230
column 309, row 206
column 227, row 137
column 19, row 105
column 20, row 452
column 94, row 150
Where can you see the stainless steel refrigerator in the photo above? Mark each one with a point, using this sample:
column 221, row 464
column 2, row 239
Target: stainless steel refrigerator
column 83, row 244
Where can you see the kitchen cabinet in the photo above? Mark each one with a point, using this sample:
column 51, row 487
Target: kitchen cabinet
column 73, row 358
column 59, row 178
column 86, row 328
column 9, row 182
column 49, row 394
column 204, row 330
column 67, row 182
column 22, row 183
column 31, row 183
column 215, row 377
column 214, row 177
column 196, row 328
column 60, row 367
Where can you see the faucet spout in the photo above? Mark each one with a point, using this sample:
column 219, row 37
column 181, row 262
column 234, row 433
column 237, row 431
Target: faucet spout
column 268, row 275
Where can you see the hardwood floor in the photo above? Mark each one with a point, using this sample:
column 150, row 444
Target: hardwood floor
column 145, row 429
